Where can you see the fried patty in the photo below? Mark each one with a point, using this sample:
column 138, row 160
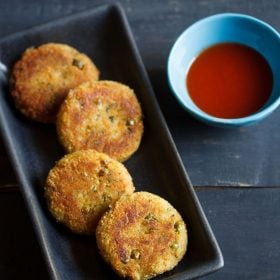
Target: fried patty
column 82, row 186
column 43, row 76
column 102, row 115
column 142, row 236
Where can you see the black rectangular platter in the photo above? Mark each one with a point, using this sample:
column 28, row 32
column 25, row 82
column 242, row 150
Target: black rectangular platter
column 103, row 34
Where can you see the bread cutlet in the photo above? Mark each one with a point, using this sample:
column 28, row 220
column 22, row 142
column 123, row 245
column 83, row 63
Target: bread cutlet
column 142, row 236
column 82, row 186
column 103, row 115
column 43, row 76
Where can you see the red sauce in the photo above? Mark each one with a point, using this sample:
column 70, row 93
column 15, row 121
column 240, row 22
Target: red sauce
column 229, row 80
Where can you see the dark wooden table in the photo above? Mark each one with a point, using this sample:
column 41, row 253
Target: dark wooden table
column 236, row 172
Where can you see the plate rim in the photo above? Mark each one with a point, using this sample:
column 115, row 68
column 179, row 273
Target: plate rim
column 211, row 266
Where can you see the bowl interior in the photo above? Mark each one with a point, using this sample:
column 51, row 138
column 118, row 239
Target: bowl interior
column 218, row 29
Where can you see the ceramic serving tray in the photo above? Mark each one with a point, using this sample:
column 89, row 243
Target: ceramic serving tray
column 104, row 35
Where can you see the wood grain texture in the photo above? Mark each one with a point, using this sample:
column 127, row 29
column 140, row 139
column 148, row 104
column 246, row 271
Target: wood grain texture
column 245, row 221
column 222, row 157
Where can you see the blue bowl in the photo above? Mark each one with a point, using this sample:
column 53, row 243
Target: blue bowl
column 221, row 28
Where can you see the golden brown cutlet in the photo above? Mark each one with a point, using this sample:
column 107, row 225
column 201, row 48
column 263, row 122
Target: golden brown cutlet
column 43, row 76
column 142, row 236
column 82, row 186
column 102, row 115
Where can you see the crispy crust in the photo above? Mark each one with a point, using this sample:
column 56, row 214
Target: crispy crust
column 43, row 76
column 142, row 236
column 104, row 116
column 82, row 186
